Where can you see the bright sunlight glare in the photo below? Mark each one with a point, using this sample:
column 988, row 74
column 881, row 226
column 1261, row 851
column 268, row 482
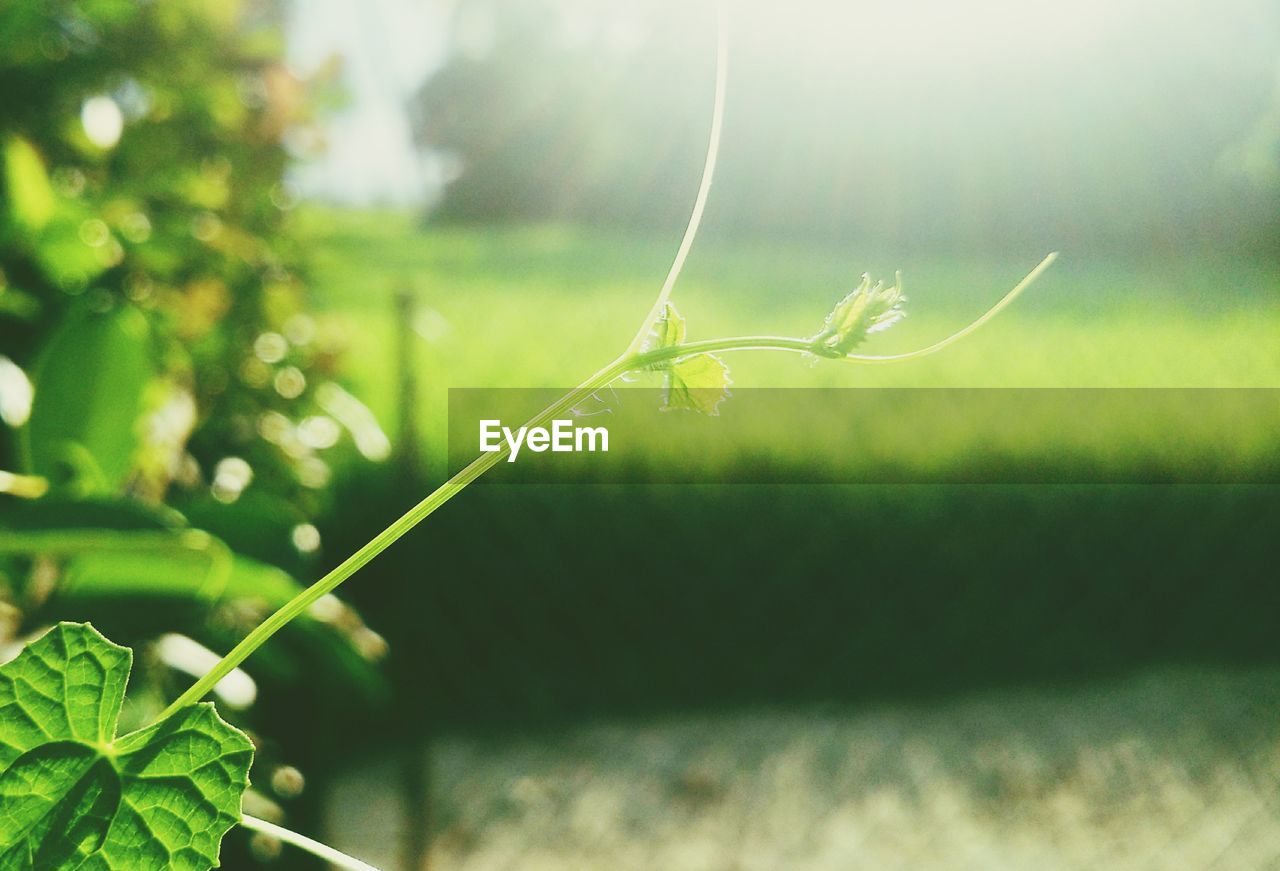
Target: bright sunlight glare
column 916, row 72
column 102, row 121
column 927, row 34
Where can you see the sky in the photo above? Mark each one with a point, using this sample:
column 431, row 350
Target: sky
column 387, row 48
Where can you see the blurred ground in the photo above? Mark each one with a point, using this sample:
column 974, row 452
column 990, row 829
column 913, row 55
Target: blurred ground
column 1172, row 769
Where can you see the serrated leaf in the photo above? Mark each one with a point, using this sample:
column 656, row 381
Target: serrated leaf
column 74, row 796
column 698, row 383
column 866, row 310
column 668, row 330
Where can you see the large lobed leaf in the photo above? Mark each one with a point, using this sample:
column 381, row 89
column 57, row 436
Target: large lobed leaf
column 73, row 796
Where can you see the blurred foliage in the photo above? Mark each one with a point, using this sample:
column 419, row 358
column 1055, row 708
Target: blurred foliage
column 163, row 388
column 149, row 286
column 964, row 126
column 544, row 121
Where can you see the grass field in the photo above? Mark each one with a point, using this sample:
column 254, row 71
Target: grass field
column 538, row 306
column 544, row 306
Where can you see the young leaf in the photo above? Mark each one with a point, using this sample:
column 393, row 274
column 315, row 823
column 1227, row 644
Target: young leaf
column 865, row 311
column 73, row 795
column 699, row 383
column 668, row 330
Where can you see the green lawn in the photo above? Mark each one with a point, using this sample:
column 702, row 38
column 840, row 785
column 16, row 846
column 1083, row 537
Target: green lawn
column 544, row 306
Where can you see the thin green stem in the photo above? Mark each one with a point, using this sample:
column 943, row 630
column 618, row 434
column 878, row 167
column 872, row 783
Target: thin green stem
column 657, row 357
column 411, row 518
column 704, row 187
column 960, row 334
column 302, row 842
column 625, row 363
column 809, row 346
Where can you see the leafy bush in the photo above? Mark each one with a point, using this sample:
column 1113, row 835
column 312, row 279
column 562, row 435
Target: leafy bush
column 163, row 389
column 150, row 287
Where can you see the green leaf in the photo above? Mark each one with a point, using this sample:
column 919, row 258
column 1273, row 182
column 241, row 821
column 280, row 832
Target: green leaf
column 668, row 330
column 90, row 390
column 30, row 196
column 865, row 311
column 698, row 383
column 74, row 796
column 18, row 304
column 149, row 575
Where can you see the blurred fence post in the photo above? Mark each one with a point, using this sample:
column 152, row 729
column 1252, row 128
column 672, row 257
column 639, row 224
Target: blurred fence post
column 408, row 438
column 415, row 788
column 415, row 759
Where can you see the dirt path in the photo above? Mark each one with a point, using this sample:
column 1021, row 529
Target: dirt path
column 1175, row 770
